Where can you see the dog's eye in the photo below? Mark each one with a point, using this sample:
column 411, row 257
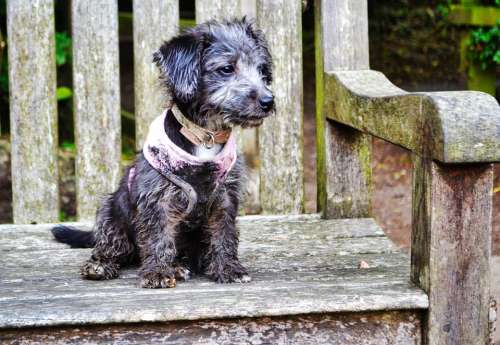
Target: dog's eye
column 264, row 72
column 262, row 69
column 228, row 69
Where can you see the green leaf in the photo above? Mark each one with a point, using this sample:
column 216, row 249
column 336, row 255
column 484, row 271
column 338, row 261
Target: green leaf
column 63, row 48
column 63, row 93
column 67, row 145
column 484, row 46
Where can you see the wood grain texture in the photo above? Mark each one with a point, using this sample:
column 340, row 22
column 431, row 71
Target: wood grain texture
column 223, row 9
column 299, row 266
column 154, row 22
column 16, row 238
column 402, row 328
column 344, row 36
column 33, row 110
column 451, row 127
column 451, row 238
column 281, row 136
column 246, row 138
column 96, row 83
column 343, row 155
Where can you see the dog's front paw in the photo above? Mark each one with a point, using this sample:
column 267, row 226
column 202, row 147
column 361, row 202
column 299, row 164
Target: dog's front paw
column 182, row 273
column 155, row 280
column 96, row 270
column 230, row 273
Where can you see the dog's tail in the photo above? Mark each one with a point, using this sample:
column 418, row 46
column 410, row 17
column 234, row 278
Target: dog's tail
column 74, row 237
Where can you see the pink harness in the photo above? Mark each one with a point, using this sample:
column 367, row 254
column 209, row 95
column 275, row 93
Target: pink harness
column 166, row 157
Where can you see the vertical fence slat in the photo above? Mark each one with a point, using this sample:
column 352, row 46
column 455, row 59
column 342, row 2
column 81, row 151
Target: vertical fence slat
column 221, row 9
column 281, row 137
column 33, row 110
column 247, row 138
column 155, row 21
column 96, row 99
column 344, row 172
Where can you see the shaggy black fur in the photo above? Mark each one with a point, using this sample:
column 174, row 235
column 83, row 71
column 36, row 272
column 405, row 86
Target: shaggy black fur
column 218, row 74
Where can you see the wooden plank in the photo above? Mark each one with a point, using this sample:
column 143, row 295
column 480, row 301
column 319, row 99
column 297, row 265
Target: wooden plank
column 344, row 156
column 344, row 34
column 281, row 136
column 246, row 138
column 96, row 83
column 33, row 110
column 451, row 242
column 307, row 269
column 170, row 305
column 154, row 22
column 222, row 9
column 24, row 271
column 402, row 328
column 252, row 228
column 17, row 238
column 451, row 127
column 73, row 301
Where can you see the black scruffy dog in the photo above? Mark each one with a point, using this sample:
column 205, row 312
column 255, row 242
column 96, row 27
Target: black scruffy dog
column 176, row 205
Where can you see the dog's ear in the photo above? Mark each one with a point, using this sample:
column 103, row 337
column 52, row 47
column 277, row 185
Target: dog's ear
column 180, row 66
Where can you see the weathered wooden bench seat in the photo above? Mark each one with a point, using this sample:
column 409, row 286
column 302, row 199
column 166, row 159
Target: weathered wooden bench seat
column 300, row 265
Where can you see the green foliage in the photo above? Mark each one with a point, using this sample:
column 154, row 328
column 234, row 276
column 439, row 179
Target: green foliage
column 444, row 8
column 4, row 77
column 68, row 146
column 63, row 93
column 484, row 46
column 63, row 48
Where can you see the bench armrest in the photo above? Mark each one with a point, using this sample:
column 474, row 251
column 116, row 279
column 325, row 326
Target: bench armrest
column 450, row 127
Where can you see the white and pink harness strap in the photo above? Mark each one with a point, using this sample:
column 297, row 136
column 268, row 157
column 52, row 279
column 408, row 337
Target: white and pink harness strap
column 164, row 156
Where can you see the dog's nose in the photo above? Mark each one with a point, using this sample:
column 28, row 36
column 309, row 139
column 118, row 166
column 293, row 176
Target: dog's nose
column 266, row 102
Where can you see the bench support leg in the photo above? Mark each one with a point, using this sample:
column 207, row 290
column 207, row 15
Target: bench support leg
column 451, row 240
column 344, row 172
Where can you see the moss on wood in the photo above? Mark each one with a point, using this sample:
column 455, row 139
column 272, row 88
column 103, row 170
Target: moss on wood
column 452, row 127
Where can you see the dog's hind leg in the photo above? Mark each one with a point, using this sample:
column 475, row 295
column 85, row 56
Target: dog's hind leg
column 112, row 244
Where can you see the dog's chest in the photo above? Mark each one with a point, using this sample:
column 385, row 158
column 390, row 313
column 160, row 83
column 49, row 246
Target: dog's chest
column 203, row 152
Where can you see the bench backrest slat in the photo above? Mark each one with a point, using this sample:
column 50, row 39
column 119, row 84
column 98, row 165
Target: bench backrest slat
column 155, row 21
column 222, row 9
column 281, row 137
column 96, row 83
column 343, row 155
column 33, row 109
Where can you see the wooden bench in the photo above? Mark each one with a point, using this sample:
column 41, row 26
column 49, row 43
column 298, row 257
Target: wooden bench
column 330, row 278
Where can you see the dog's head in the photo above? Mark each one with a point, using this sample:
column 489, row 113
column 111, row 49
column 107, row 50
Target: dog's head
column 222, row 70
